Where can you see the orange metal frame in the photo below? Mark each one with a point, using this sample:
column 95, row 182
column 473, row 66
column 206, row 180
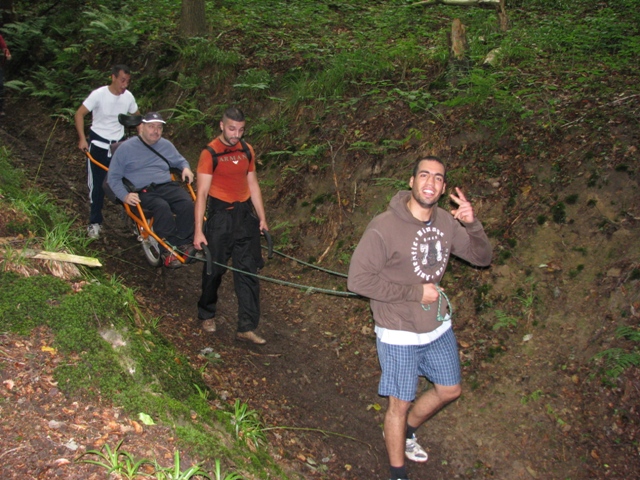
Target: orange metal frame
column 144, row 224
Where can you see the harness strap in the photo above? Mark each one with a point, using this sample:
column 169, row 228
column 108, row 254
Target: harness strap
column 103, row 143
column 215, row 155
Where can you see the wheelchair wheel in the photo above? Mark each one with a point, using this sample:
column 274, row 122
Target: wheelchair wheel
column 151, row 250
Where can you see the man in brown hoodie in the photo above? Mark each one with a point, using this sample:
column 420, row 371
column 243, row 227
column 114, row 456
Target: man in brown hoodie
column 398, row 265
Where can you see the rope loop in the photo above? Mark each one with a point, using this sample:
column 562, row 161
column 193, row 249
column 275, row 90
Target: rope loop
column 439, row 316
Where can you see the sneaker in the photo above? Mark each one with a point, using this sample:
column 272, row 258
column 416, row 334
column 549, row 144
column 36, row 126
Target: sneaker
column 189, row 252
column 250, row 337
column 413, row 451
column 171, row 261
column 209, row 325
column 93, row 231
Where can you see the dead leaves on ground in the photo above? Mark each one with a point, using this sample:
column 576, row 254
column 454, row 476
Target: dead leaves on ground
column 41, row 429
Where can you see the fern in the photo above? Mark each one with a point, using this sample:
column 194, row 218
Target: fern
column 617, row 360
column 504, row 320
column 110, row 29
column 29, row 41
column 630, row 333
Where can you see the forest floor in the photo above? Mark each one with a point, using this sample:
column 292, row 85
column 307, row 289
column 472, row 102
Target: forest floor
column 531, row 406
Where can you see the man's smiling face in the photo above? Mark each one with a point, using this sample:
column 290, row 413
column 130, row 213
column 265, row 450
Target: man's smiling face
column 428, row 185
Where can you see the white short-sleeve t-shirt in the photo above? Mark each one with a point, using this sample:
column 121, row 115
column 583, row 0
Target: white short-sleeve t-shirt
column 105, row 108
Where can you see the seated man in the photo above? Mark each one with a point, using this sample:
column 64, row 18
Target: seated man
column 144, row 161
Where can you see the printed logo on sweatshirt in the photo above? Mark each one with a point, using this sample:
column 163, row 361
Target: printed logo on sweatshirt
column 429, row 254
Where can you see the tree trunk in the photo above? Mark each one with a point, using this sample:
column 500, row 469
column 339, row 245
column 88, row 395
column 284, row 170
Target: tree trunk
column 503, row 20
column 458, row 61
column 192, row 20
column 458, row 40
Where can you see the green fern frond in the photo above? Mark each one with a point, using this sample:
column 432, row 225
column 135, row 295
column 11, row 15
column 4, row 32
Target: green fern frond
column 617, row 360
column 630, row 333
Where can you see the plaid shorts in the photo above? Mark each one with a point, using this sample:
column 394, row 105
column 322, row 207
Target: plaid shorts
column 401, row 365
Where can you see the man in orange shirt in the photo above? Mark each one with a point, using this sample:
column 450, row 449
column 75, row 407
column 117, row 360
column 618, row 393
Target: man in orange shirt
column 228, row 190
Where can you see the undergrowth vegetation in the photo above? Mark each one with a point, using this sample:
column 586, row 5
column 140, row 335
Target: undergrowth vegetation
column 291, row 54
column 309, row 59
column 112, row 349
column 343, row 95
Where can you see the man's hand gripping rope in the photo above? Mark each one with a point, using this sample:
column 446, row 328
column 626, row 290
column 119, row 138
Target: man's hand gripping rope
column 432, row 292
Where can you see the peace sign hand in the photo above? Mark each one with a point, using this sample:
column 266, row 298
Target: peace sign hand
column 464, row 212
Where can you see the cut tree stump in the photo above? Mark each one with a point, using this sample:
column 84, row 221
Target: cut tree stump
column 458, row 40
column 458, row 60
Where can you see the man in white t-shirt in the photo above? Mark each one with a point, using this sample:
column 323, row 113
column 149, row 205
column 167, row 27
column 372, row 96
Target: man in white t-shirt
column 105, row 104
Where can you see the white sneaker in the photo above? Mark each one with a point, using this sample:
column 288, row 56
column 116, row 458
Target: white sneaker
column 413, row 451
column 93, row 231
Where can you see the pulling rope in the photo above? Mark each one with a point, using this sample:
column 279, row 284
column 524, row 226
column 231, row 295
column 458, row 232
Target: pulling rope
column 310, row 289
column 326, row 270
column 439, row 316
column 307, row 288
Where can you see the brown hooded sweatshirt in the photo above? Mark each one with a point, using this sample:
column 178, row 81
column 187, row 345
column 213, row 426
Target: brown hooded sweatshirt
column 399, row 253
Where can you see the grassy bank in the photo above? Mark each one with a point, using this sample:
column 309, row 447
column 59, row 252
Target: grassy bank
column 110, row 349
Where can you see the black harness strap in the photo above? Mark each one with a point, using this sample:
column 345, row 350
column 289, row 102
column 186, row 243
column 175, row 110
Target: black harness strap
column 155, row 151
column 215, row 155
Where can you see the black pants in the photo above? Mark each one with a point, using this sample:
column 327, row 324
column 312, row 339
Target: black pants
column 95, row 179
column 233, row 231
column 172, row 210
column 96, row 176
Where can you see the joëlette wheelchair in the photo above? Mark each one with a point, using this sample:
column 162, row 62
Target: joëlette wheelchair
column 142, row 223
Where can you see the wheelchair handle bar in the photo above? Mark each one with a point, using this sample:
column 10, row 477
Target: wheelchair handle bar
column 207, row 254
column 267, row 235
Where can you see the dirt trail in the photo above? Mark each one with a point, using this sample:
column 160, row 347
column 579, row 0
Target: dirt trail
column 525, row 413
column 316, row 379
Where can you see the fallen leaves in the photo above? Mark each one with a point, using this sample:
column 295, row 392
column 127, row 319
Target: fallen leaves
column 40, row 411
column 137, row 427
column 78, row 286
column 374, row 406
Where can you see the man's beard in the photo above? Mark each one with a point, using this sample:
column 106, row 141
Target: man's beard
column 422, row 203
column 228, row 141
